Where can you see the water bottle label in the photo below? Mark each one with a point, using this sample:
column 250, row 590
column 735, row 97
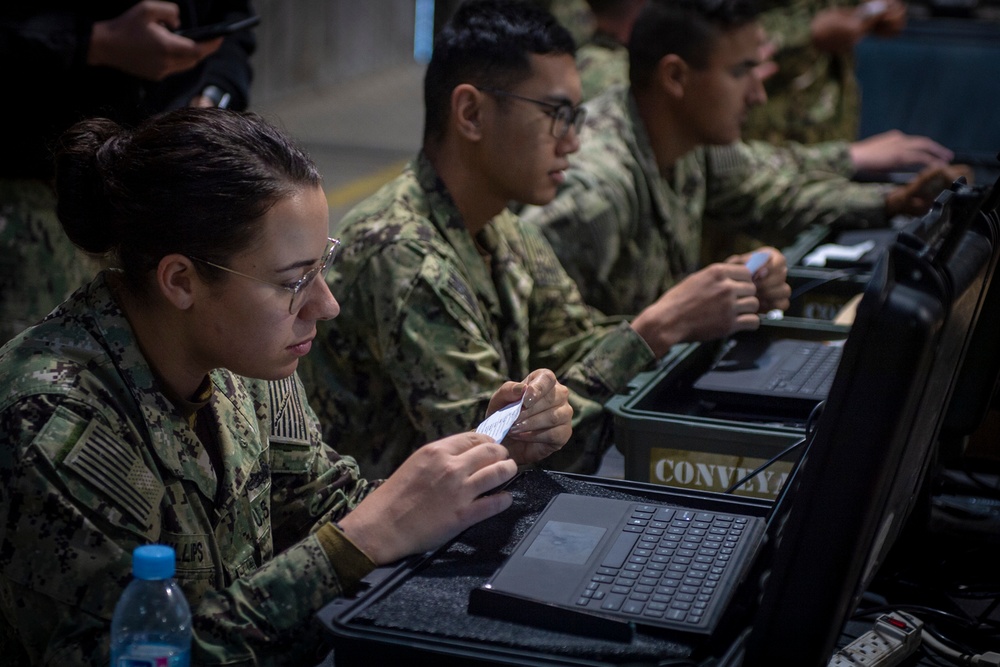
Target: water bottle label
column 153, row 655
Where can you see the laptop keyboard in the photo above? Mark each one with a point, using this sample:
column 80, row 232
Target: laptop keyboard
column 810, row 371
column 669, row 567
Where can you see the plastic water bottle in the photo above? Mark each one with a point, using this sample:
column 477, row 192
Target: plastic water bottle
column 151, row 626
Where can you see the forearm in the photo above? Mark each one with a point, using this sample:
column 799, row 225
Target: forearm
column 832, row 156
column 750, row 192
column 604, row 371
column 265, row 618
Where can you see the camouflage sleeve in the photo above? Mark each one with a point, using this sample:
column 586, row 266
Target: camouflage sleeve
column 831, row 156
column 788, row 23
column 65, row 561
column 31, row 237
column 600, row 68
column 756, row 191
column 311, row 483
column 48, row 623
column 264, row 614
column 588, row 226
column 593, row 356
column 446, row 367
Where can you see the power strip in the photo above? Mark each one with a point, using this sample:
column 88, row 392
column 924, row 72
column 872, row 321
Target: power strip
column 893, row 639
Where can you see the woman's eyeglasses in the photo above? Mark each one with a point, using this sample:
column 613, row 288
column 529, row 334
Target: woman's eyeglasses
column 297, row 287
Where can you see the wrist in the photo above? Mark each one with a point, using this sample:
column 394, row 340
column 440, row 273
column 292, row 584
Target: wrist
column 657, row 334
column 96, row 44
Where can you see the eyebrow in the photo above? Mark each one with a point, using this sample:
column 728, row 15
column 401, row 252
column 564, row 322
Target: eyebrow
column 297, row 265
column 561, row 100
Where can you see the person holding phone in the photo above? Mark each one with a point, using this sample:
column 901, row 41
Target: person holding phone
column 76, row 60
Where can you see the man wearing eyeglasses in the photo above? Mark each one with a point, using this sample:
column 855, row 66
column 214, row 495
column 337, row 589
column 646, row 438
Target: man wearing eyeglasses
column 445, row 293
column 662, row 185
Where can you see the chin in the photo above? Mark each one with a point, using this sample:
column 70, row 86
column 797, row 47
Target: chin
column 540, row 198
column 270, row 373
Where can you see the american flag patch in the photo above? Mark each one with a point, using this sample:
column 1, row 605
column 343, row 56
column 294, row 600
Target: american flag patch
column 116, row 470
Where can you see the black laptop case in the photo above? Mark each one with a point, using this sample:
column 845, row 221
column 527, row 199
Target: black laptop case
column 419, row 609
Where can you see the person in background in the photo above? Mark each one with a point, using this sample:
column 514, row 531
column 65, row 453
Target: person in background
column 602, row 59
column 603, row 64
column 159, row 404
column 574, row 15
column 446, row 292
column 70, row 61
column 814, row 94
column 662, row 185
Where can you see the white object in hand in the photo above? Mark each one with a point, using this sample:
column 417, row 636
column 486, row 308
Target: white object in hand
column 757, row 260
column 498, row 423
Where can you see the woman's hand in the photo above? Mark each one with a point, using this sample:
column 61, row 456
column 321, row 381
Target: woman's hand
column 433, row 496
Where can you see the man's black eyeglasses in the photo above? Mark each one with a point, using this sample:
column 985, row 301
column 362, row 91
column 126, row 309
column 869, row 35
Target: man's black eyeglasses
column 564, row 116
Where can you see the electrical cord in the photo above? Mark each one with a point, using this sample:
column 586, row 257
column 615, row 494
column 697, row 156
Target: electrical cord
column 771, row 461
column 917, row 610
column 945, row 646
column 962, row 658
column 809, row 428
column 834, row 276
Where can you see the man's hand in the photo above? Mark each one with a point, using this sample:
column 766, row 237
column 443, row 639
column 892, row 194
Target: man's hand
column 839, row 29
column 712, row 303
column 140, row 42
column 771, row 279
column 891, row 20
column 545, row 422
column 916, row 197
column 894, row 150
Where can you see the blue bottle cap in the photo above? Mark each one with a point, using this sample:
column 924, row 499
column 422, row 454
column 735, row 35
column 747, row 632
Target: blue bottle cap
column 153, row 561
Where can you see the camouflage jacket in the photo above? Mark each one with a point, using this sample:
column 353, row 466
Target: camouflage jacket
column 626, row 233
column 431, row 325
column 602, row 62
column 95, row 460
column 814, row 95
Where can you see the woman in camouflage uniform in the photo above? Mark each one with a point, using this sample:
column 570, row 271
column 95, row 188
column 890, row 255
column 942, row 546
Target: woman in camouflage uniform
column 160, row 404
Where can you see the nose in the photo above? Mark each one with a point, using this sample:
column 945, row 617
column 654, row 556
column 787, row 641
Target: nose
column 756, row 94
column 569, row 143
column 320, row 303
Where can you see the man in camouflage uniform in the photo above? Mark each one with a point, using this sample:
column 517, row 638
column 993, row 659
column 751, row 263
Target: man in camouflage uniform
column 102, row 469
column 574, row 15
column 814, row 95
column 602, row 60
column 660, row 187
column 445, row 292
column 603, row 63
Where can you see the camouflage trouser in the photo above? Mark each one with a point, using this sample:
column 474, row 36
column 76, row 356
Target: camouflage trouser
column 39, row 267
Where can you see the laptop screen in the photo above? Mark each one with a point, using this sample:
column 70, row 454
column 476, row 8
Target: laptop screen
column 873, row 445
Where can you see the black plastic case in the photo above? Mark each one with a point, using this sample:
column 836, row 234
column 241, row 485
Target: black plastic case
column 417, row 611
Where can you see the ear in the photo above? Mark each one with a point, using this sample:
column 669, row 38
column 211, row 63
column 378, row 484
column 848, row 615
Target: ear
column 672, row 75
column 467, row 111
column 178, row 281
